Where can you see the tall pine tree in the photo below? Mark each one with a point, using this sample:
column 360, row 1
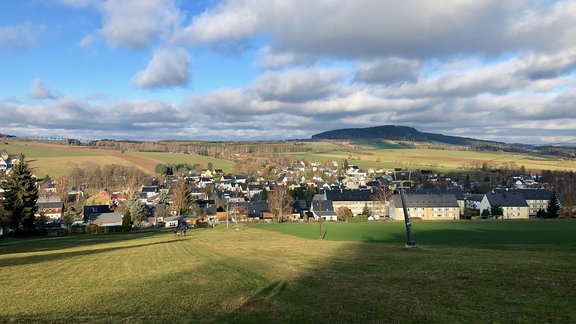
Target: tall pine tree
column 20, row 195
column 553, row 206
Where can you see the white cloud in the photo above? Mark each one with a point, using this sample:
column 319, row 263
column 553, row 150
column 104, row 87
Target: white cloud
column 388, row 70
column 168, row 68
column 298, row 85
column 135, row 23
column 39, row 90
column 20, row 37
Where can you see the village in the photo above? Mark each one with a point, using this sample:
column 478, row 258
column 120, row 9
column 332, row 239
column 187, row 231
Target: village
column 210, row 197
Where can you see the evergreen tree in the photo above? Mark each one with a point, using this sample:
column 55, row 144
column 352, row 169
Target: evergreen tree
column 496, row 211
column 264, row 194
column 126, row 219
column 553, row 206
column 21, row 195
column 366, row 211
column 136, row 209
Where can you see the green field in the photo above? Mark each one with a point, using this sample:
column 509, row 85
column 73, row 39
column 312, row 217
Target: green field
column 176, row 158
column 438, row 160
column 484, row 271
column 57, row 160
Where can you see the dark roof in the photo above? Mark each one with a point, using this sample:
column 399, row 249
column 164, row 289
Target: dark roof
column 324, row 207
column 507, row 199
column 427, row 200
column 300, row 205
column 350, row 195
column 529, row 194
column 256, row 208
column 149, row 189
column 456, row 192
column 52, row 204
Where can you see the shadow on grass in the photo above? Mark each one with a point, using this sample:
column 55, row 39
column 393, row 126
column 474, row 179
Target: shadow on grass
column 371, row 280
column 37, row 258
column 44, row 244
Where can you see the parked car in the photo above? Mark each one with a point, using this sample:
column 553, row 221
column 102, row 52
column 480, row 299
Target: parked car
column 159, row 224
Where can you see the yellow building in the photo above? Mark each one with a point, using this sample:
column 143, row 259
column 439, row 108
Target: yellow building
column 428, row 207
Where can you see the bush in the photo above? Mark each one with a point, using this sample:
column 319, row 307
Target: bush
column 360, row 219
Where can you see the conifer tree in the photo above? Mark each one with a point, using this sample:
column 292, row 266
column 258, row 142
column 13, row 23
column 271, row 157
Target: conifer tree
column 21, row 195
column 553, row 206
column 136, row 208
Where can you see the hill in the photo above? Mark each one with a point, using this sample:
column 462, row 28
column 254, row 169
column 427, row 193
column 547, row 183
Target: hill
column 399, row 133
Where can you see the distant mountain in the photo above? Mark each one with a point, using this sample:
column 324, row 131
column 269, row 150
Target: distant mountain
column 399, row 133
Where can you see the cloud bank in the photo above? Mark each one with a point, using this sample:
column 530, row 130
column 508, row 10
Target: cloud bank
column 497, row 70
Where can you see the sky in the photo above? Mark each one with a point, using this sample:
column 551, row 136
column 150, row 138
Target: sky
column 243, row 70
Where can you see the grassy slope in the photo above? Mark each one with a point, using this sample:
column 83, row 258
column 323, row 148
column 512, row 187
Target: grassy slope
column 57, row 160
column 439, row 160
column 260, row 275
column 192, row 159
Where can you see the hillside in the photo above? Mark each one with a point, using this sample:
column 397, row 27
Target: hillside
column 399, row 133
column 410, row 134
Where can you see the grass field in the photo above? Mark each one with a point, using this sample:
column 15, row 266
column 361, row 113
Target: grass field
column 361, row 273
column 191, row 159
column 439, row 160
column 57, row 160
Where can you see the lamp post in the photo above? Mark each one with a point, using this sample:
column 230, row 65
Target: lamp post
column 402, row 180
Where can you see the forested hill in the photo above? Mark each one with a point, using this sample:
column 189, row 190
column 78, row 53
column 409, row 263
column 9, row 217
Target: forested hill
column 398, row 133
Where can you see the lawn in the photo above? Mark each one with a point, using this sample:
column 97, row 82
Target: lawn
column 360, row 273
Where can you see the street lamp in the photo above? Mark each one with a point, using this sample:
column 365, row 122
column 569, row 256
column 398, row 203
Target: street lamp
column 402, row 180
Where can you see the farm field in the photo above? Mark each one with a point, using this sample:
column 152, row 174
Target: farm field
column 438, row 160
column 278, row 273
column 175, row 158
column 57, row 160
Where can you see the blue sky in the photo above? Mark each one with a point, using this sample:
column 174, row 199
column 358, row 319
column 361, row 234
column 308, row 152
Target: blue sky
column 271, row 69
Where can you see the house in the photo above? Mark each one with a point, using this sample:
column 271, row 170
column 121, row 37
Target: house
column 356, row 200
column 90, row 212
column 51, row 206
column 537, row 199
column 106, row 219
column 300, row 209
column 513, row 204
column 324, row 209
column 3, row 165
column 429, row 207
column 455, row 191
column 149, row 191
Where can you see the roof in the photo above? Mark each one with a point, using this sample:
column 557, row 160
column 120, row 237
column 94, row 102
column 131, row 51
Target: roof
column 350, row 195
column 53, row 204
column 323, row 207
column 529, row 194
column 427, row 200
column 149, row 189
column 456, row 192
column 507, row 199
column 106, row 218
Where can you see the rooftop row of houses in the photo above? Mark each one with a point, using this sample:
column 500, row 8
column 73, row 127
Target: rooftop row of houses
column 429, row 205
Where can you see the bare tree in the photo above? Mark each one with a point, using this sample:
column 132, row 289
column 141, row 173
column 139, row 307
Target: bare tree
column 61, row 186
column 181, row 197
column 280, row 202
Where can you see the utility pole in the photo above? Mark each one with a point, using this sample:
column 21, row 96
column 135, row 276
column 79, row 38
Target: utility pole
column 320, row 216
column 402, row 180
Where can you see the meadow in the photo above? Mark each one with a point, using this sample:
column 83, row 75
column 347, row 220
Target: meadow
column 178, row 158
column 57, row 160
column 482, row 271
column 438, row 160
